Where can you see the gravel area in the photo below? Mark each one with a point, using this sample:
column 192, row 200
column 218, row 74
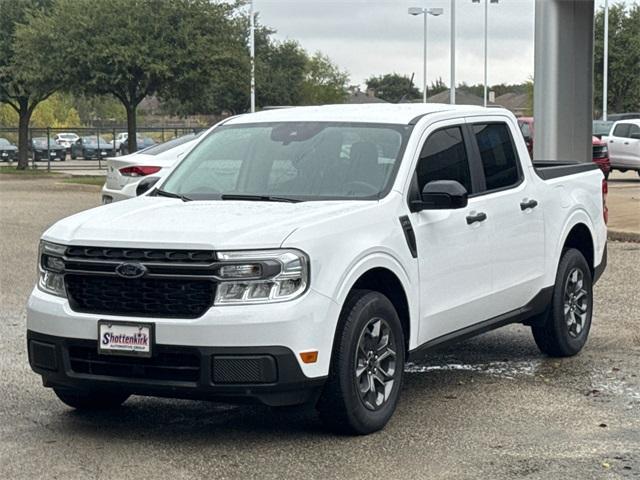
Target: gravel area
column 491, row 407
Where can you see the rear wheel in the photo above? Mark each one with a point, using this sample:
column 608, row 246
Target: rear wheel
column 563, row 330
column 91, row 399
column 366, row 374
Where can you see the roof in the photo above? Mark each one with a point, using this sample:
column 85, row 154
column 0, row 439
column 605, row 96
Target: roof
column 516, row 102
column 362, row 97
column 462, row 98
column 389, row 113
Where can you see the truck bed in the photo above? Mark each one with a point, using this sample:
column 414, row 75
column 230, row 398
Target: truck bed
column 548, row 169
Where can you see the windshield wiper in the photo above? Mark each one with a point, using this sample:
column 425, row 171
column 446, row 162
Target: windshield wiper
column 162, row 193
column 258, row 198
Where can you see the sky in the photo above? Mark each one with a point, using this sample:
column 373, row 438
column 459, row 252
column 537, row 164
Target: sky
column 373, row 37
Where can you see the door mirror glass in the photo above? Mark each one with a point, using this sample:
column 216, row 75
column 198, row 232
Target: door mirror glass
column 441, row 195
column 145, row 185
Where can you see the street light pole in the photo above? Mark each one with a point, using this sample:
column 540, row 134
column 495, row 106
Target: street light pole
column 424, row 63
column 252, row 54
column 452, row 87
column 486, row 50
column 426, row 12
column 605, row 74
column 486, row 45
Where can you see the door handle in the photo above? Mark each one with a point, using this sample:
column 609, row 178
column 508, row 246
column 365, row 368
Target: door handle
column 478, row 217
column 524, row 205
column 626, row 143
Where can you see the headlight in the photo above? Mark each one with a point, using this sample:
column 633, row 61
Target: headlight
column 264, row 276
column 50, row 268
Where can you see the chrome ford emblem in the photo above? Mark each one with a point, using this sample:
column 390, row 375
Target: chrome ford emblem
column 131, row 270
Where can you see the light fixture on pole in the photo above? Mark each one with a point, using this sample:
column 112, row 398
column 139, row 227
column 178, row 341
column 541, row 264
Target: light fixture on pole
column 486, row 42
column 605, row 73
column 252, row 55
column 426, row 12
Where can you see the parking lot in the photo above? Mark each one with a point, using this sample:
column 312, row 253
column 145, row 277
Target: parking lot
column 492, row 407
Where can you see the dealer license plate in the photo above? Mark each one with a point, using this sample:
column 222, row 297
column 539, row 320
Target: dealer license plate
column 125, row 338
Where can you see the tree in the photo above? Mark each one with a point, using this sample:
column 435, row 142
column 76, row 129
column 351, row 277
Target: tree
column 324, row 82
column 393, row 87
column 624, row 59
column 132, row 49
column 438, row 87
column 23, row 85
column 280, row 72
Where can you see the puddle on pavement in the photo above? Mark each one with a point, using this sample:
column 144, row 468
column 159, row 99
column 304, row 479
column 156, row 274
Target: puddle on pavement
column 600, row 383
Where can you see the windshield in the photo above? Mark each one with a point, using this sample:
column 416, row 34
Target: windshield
column 297, row 160
column 94, row 139
column 4, row 142
column 67, row 136
column 176, row 142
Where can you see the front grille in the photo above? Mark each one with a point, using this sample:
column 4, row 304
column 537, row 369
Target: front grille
column 600, row 152
column 145, row 297
column 141, row 255
column 168, row 363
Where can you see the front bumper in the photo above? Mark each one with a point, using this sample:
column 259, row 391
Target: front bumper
column 304, row 324
column 268, row 374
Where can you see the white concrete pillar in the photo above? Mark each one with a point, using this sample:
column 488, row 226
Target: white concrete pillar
column 563, row 92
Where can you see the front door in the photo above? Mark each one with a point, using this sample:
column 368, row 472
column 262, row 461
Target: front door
column 453, row 246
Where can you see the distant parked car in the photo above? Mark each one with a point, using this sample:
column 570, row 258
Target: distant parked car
column 41, row 145
column 120, row 139
column 91, row 147
column 616, row 117
column 143, row 142
column 124, row 173
column 66, row 140
column 600, row 155
column 8, row 151
column 601, row 128
column 624, row 145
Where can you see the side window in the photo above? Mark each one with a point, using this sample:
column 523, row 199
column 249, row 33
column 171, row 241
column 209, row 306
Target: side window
column 634, row 131
column 444, row 157
column 621, row 130
column 526, row 131
column 498, row 155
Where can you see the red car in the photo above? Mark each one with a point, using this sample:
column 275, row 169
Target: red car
column 600, row 151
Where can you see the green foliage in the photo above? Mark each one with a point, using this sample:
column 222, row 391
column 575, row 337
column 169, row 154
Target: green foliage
column 624, row 59
column 324, row 82
column 393, row 87
column 23, row 83
column 280, row 73
column 437, row 87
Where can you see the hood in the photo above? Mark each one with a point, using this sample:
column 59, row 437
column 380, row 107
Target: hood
column 154, row 222
column 8, row 148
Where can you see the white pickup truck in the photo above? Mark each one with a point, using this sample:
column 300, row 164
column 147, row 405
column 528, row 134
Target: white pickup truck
column 304, row 255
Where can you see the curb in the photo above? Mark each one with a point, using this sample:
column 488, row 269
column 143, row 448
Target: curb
column 623, row 236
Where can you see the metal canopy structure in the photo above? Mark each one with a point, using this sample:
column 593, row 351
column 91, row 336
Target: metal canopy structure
column 563, row 91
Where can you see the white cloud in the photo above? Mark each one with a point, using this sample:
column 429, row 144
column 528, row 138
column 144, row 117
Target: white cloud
column 369, row 37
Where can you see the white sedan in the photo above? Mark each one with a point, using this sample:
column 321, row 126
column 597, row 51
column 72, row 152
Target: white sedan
column 125, row 173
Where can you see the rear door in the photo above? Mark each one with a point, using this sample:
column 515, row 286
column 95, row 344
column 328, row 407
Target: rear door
column 513, row 211
column 453, row 252
column 617, row 153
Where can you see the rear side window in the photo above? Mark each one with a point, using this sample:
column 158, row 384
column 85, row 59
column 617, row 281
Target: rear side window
column 621, row 130
column 444, row 157
column 498, row 155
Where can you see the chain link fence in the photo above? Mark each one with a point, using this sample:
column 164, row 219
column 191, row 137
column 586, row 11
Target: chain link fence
column 84, row 148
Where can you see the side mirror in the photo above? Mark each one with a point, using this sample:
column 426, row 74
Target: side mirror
column 146, row 184
column 441, row 195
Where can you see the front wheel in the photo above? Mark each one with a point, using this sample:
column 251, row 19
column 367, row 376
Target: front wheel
column 91, row 399
column 367, row 368
column 563, row 330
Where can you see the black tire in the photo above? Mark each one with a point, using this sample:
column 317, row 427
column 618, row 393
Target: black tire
column 91, row 399
column 341, row 405
column 556, row 335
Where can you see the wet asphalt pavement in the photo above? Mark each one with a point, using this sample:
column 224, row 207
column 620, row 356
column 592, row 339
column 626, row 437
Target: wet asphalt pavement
column 491, row 407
